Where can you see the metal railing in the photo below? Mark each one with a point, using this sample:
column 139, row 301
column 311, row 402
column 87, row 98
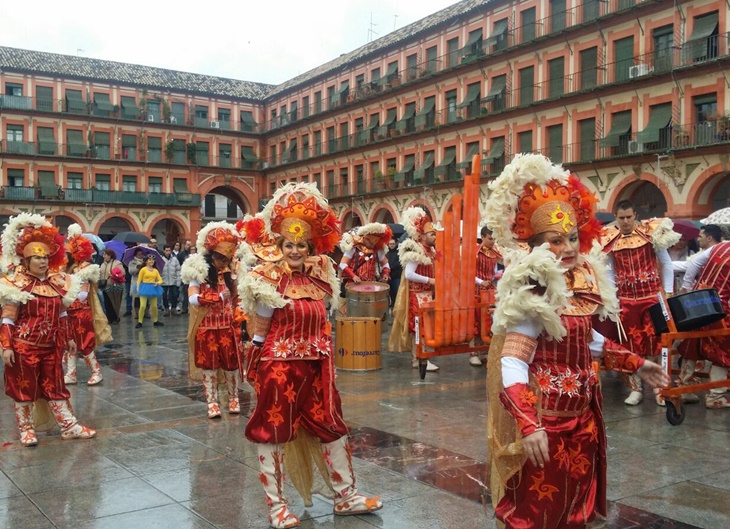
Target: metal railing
column 98, row 196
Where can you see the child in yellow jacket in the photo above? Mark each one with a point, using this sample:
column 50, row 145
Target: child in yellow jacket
column 149, row 286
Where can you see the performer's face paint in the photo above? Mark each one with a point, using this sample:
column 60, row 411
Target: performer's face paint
column 626, row 219
column 564, row 246
column 38, row 266
column 295, row 254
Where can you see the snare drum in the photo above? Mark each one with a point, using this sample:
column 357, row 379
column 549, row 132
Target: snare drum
column 367, row 299
column 690, row 311
column 357, row 344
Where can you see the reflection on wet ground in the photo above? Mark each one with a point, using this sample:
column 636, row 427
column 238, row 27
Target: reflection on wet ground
column 158, row 462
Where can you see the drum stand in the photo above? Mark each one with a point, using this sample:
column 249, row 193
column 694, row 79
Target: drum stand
column 424, row 356
column 672, row 395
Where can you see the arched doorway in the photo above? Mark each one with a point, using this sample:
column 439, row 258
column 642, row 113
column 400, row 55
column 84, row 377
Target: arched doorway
column 384, row 216
column 167, row 231
column 351, row 220
column 112, row 226
column 721, row 193
column 62, row 222
column 648, row 200
column 224, row 203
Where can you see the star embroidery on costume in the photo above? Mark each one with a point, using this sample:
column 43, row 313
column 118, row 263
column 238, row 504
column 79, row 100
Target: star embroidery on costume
column 579, row 461
column 290, row 394
column 47, row 386
column 33, row 360
column 569, row 383
column 528, row 397
column 323, row 345
column 317, row 385
column 591, row 429
column 275, row 416
column 562, row 456
column 558, row 216
column 278, row 371
column 22, row 383
column 317, row 412
column 301, row 348
column 226, row 341
column 543, row 379
column 543, row 490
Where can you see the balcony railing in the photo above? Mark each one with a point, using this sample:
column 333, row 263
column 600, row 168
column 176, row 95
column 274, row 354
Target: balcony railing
column 100, row 196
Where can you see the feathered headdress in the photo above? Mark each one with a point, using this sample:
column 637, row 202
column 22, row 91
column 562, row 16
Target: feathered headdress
column 77, row 245
column 256, row 240
column 380, row 233
column 416, row 222
column 299, row 212
column 220, row 237
column 27, row 235
column 533, row 196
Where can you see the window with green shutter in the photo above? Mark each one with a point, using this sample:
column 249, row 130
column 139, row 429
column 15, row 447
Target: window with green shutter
column 556, row 84
column 103, row 182
column 555, row 143
column 46, row 141
column 663, row 48
column 591, row 10
column 129, row 184
column 527, row 85
column 47, row 183
column 588, row 68
column 528, row 25
column 452, row 51
column 587, row 132
column 130, row 110
column 557, row 15
column 524, row 139
column 102, row 145
column 16, row 177
column 129, row 147
column 74, row 181
column 75, row 143
column 154, row 185
column 224, row 155
column 623, row 53
column 44, row 99
column 154, row 149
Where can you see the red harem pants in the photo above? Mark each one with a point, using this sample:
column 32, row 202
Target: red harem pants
column 561, row 495
column 36, row 373
column 292, row 394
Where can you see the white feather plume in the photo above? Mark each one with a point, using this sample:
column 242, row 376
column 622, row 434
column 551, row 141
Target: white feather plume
column 203, row 233
column 74, row 230
column 409, row 218
column 506, row 189
column 195, row 268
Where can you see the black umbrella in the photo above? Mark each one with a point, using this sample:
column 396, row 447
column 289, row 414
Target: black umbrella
column 397, row 230
column 131, row 236
column 604, row 217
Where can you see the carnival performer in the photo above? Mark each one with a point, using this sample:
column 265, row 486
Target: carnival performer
column 546, row 435
column 33, row 333
column 149, row 288
column 364, row 251
column 416, row 256
column 711, row 269
column 640, row 266
column 488, row 262
column 292, row 366
column 214, row 339
column 87, row 325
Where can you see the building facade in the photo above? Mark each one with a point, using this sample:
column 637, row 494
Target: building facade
column 630, row 95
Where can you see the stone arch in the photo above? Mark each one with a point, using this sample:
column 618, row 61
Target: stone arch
column 710, row 192
column 351, row 219
column 62, row 222
column 111, row 224
column 384, row 214
column 648, row 198
column 167, row 230
column 232, row 205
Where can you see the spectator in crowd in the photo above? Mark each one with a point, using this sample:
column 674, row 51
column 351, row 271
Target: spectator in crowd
column 396, row 270
column 170, row 281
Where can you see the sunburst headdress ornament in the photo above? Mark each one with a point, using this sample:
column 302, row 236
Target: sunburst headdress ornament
column 416, row 222
column 77, row 245
column 533, row 196
column 28, row 235
column 219, row 237
column 299, row 213
column 253, row 232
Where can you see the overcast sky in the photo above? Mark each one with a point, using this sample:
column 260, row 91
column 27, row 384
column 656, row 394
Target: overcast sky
column 266, row 41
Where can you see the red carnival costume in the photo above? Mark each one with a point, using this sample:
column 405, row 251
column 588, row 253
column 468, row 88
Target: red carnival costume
column 87, row 325
column 364, row 253
column 33, row 332
column 214, row 337
column 291, row 366
column 713, row 268
column 541, row 374
column 639, row 277
column 417, row 259
column 487, row 261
